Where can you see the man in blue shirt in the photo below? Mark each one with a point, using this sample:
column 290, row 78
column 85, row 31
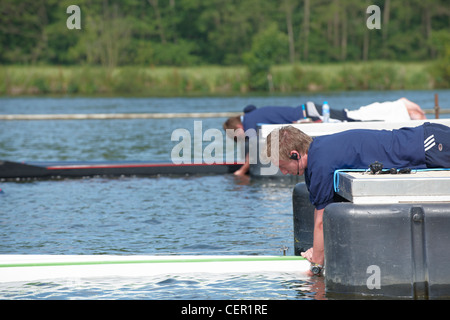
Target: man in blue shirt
column 425, row 146
column 399, row 110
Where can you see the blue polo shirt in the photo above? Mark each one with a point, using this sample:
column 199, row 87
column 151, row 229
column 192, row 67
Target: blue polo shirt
column 357, row 149
column 271, row 115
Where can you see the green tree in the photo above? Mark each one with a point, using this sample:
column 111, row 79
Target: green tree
column 193, row 32
column 22, row 36
column 268, row 48
column 440, row 69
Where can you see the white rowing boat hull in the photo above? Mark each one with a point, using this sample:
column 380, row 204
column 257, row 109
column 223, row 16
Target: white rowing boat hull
column 44, row 267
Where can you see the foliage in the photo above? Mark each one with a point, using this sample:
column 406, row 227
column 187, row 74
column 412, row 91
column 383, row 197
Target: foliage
column 193, row 32
column 268, row 48
column 441, row 68
column 211, row 80
column 256, row 33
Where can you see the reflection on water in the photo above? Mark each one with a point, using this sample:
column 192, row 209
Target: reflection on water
column 264, row 286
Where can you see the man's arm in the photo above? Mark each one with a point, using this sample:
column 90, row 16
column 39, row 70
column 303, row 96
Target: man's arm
column 318, row 242
column 316, row 253
column 245, row 167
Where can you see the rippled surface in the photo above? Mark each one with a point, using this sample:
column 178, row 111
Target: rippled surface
column 184, row 215
column 145, row 216
column 186, row 287
column 212, row 214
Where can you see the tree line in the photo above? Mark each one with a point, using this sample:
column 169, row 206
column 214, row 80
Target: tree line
column 221, row 32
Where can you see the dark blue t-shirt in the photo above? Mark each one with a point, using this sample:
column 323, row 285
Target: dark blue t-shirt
column 271, row 115
column 357, row 149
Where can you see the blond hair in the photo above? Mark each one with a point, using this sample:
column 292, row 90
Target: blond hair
column 288, row 139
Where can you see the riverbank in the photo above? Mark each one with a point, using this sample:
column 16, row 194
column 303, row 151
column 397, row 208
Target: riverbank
column 211, row 80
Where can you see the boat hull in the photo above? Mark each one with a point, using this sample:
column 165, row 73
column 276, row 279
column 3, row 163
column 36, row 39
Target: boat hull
column 23, row 170
column 18, row 268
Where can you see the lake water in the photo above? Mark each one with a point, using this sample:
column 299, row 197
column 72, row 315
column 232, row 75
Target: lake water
column 209, row 214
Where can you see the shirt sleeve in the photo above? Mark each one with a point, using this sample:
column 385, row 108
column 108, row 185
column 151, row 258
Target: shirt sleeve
column 321, row 189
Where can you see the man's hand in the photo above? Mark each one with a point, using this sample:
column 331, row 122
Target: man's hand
column 308, row 256
column 414, row 110
column 316, row 256
column 240, row 172
column 245, row 167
